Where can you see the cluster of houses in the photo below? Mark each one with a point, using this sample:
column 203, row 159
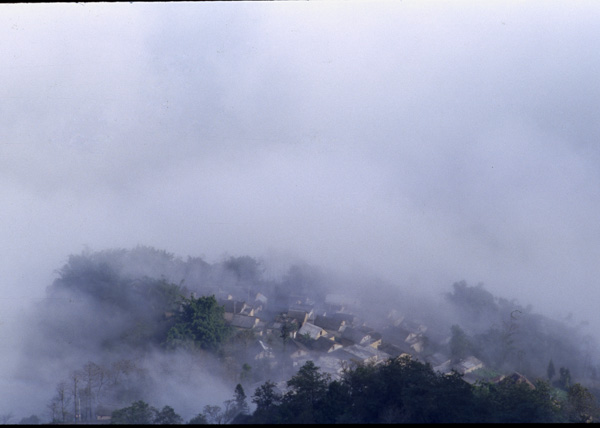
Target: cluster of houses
column 334, row 337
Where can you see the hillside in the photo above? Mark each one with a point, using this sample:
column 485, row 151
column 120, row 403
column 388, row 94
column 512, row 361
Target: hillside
column 141, row 325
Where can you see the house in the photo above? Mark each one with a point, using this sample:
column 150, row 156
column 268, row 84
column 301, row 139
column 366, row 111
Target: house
column 439, row 336
column 232, row 306
column 413, row 327
column 444, row 368
column 436, row 359
column 329, row 323
column 244, row 322
column 313, row 331
column 324, row 344
column 360, row 354
column 376, row 339
column 301, row 317
column 356, row 335
column 413, row 338
column 439, row 362
column 309, row 308
column 302, row 304
column 395, row 350
column 275, row 328
column 248, row 310
column 418, row 344
column 518, row 378
column 468, row 365
column 260, row 327
column 395, row 335
column 260, row 301
column 416, row 340
column 326, row 363
column 349, row 319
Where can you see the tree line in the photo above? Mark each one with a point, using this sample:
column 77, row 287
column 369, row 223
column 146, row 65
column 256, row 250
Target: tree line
column 401, row 390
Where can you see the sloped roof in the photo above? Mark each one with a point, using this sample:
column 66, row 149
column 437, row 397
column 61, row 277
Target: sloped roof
column 328, row 323
column 261, row 298
column 302, row 307
column 469, row 364
column 344, row 316
column 366, row 353
column 444, row 368
column 312, row 330
column 233, row 306
column 244, row 321
column 395, row 350
column 355, row 335
column 437, row 359
column 323, row 344
column 413, row 326
column 299, row 316
column 518, row 378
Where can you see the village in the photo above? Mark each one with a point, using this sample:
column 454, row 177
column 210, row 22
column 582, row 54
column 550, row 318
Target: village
column 333, row 335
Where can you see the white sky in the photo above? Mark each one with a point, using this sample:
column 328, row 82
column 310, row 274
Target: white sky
column 426, row 141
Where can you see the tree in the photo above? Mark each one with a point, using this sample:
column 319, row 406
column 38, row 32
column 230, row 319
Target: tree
column 267, row 399
column 512, row 401
column 246, row 372
column 336, row 404
column 581, row 405
column 89, row 377
column 167, row 416
column 75, row 380
column 476, row 301
column 245, row 269
column 460, row 346
column 286, row 330
column 201, row 322
column 265, row 396
column 551, row 371
column 30, row 420
column 308, row 388
column 139, row 413
column 236, row 406
column 508, row 333
column 213, row 414
column 59, row 405
column 199, row 419
column 240, row 399
column 305, row 339
column 564, row 378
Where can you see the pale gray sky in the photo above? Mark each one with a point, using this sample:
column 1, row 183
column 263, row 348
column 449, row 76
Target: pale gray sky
column 426, row 141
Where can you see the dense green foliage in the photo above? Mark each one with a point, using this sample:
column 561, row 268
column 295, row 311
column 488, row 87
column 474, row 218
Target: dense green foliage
column 507, row 336
column 406, row 391
column 141, row 413
column 97, row 302
column 200, row 321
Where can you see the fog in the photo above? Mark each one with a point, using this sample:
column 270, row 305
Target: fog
column 421, row 143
